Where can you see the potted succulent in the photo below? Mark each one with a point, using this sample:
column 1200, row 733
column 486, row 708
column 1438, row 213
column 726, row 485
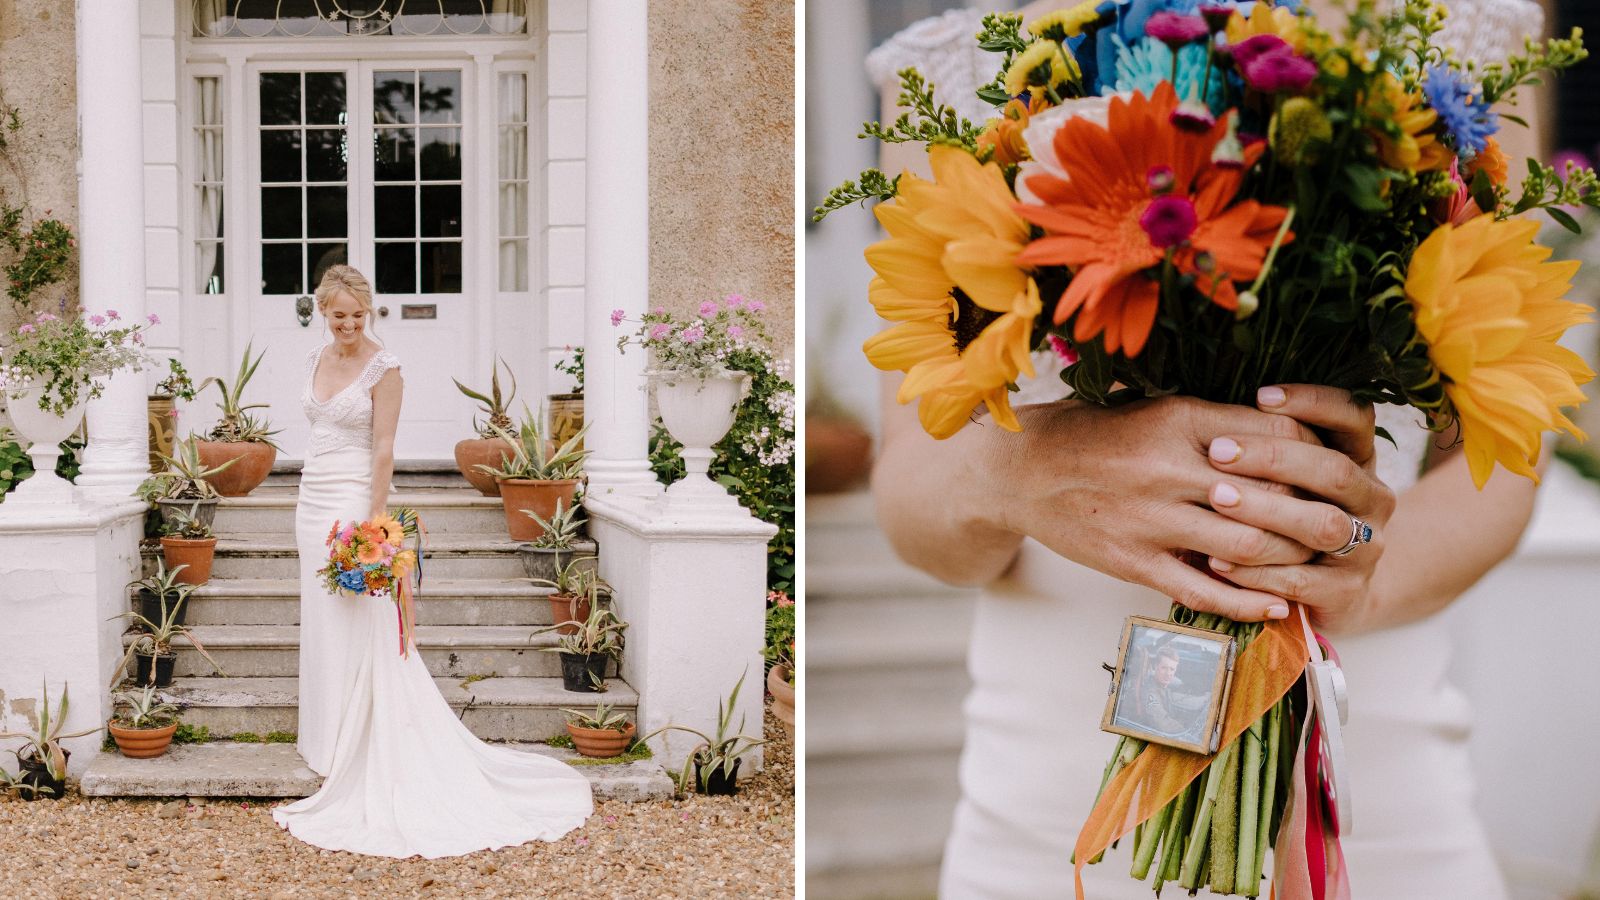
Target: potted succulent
column 584, row 652
column 163, row 414
column 186, row 480
column 42, row 758
column 188, row 545
column 544, row 556
column 600, row 734
column 474, row 454
column 155, row 589
column 779, row 652
column 577, row 586
column 146, row 730
column 715, row 763
column 535, row 477
column 151, row 650
column 565, row 416
column 239, row 436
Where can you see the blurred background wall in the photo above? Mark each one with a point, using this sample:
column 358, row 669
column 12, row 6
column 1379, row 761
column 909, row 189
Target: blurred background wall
column 886, row 644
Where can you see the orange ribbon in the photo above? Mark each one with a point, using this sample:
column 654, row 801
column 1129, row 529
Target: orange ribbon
column 1265, row 672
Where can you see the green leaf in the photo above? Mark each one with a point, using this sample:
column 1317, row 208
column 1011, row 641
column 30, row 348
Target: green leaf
column 1564, row 219
column 1517, row 119
column 1383, row 432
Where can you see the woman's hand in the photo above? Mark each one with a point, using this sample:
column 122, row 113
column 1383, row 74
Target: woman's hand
column 1121, row 489
column 1337, row 482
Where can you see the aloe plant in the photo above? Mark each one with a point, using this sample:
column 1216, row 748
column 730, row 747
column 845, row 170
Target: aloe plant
column 601, row 719
column 44, row 742
column 237, row 424
column 719, row 751
column 145, row 708
column 531, row 457
column 156, row 640
column 494, row 404
column 187, row 525
column 560, row 530
column 600, row 633
column 185, row 477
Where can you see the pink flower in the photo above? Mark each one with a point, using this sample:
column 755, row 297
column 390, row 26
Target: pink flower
column 138, row 338
column 27, row 328
column 1280, row 72
column 97, row 321
column 757, row 306
column 154, row 319
column 1253, row 48
column 708, row 308
column 735, row 331
column 692, row 334
column 112, row 315
column 1216, row 14
column 582, row 841
column 1169, row 220
column 616, row 317
column 735, row 301
column 1063, row 350
column 611, row 820
column 45, row 317
column 660, row 331
column 660, row 310
column 1175, row 29
column 1193, row 115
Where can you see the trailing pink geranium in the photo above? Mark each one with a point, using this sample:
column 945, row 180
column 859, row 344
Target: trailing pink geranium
column 68, row 357
column 726, row 335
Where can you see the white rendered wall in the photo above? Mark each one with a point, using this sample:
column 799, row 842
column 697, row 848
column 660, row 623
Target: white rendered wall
column 163, row 185
column 559, row 233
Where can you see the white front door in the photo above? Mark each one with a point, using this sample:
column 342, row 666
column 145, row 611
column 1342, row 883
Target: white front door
column 365, row 163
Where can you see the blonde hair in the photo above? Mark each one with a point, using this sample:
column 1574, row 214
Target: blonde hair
column 347, row 280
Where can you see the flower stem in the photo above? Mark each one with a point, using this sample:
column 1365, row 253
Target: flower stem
column 1251, row 781
column 1200, row 831
column 1225, row 825
column 1269, row 785
column 1144, row 849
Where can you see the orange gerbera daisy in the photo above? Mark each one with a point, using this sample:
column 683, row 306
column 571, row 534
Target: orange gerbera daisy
column 369, row 554
column 1140, row 191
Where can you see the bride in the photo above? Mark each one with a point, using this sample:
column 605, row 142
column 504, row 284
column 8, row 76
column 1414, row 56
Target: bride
column 403, row 776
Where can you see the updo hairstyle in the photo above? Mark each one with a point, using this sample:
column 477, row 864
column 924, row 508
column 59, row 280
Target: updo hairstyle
column 346, row 279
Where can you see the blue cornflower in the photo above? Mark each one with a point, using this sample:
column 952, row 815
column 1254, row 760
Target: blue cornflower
column 1148, row 62
column 353, row 580
column 1465, row 116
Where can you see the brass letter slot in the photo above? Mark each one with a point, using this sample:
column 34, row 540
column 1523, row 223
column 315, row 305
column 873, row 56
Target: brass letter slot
column 419, row 311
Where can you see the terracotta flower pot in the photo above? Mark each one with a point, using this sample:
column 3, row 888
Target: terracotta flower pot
column 196, row 554
column 142, row 743
column 600, row 743
column 838, row 455
column 782, row 697
column 254, row 463
column 474, row 452
column 567, row 608
column 163, row 429
column 540, row 497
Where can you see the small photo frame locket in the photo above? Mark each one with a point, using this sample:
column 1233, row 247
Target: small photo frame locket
column 1170, row 685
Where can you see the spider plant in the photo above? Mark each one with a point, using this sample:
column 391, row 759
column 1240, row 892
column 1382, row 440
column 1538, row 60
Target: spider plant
column 494, row 404
column 43, row 744
column 236, row 424
column 718, row 752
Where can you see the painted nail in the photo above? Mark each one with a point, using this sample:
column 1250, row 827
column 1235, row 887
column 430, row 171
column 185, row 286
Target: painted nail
column 1224, row 450
column 1278, row 612
column 1221, row 565
column 1271, row 396
column 1225, row 494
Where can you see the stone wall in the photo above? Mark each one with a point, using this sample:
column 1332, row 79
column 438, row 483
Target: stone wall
column 722, row 123
column 38, row 77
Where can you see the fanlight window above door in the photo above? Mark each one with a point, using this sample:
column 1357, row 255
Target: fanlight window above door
column 365, row 18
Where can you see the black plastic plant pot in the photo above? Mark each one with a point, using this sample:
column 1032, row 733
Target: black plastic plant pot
column 164, row 664
column 150, row 606
column 40, row 786
column 582, row 673
column 717, row 782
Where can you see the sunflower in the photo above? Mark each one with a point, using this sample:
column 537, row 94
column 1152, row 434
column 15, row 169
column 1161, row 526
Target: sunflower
column 404, row 562
column 1043, row 65
column 1490, row 308
column 393, row 532
column 1140, row 191
column 947, row 276
column 1416, row 148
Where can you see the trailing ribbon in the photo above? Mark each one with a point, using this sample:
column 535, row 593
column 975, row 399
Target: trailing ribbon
column 408, row 588
column 1264, row 673
column 1308, row 858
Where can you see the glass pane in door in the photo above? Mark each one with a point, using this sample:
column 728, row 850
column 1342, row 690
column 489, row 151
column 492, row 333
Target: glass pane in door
column 417, row 146
column 304, row 176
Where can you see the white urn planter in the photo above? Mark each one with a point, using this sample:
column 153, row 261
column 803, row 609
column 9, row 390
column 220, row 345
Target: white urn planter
column 698, row 410
column 45, row 430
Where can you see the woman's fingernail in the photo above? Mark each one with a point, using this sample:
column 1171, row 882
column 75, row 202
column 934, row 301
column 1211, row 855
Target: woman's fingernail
column 1271, row 396
column 1221, row 565
column 1224, row 450
column 1225, row 494
column 1278, row 612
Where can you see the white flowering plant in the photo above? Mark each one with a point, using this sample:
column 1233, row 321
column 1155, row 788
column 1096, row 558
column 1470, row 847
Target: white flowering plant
column 69, row 356
column 719, row 337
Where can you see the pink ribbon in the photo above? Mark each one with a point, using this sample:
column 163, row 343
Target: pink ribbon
column 1308, row 859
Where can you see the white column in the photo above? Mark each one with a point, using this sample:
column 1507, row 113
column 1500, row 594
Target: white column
column 616, row 246
column 111, row 228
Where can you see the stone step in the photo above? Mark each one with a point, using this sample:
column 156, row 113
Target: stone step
column 450, row 651
column 456, row 511
column 446, row 556
column 459, row 601
column 409, row 474
column 494, row 709
column 228, row 769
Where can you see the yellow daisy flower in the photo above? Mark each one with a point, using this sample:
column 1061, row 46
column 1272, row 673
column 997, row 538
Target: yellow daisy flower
column 1043, row 65
column 947, row 276
column 1268, row 19
column 1417, row 149
column 1490, row 308
column 1065, row 23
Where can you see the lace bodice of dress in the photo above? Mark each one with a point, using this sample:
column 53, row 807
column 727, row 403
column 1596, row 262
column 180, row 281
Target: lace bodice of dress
column 345, row 420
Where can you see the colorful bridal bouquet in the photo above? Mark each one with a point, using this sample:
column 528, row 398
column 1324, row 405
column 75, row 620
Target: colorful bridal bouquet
column 719, row 337
column 380, row 558
column 1204, row 198
column 69, row 356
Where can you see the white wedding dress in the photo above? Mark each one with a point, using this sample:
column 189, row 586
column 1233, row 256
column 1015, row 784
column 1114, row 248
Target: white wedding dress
column 404, row 776
column 1034, row 752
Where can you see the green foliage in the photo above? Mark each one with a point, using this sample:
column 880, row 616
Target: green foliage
column 1001, row 33
column 633, row 754
column 1502, row 79
column 237, row 423
column 177, row 385
column 43, row 743
column 43, row 254
column 16, row 465
column 68, row 356
column 717, row 752
column 573, row 366
column 779, row 649
column 191, row 734
column 873, row 185
column 755, row 461
column 248, row 737
column 281, row 737
column 494, row 403
column 531, row 456
column 184, row 478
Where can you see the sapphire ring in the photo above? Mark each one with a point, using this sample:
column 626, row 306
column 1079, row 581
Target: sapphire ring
column 1360, row 533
